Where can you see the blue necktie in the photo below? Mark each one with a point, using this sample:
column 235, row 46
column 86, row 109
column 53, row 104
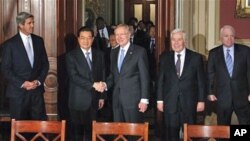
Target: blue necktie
column 88, row 60
column 30, row 51
column 121, row 58
column 229, row 63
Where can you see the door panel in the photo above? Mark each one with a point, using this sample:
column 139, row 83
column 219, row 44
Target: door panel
column 141, row 9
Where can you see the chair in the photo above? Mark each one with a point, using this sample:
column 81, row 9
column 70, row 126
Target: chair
column 119, row 129
column 38, row 127
column 206, row 131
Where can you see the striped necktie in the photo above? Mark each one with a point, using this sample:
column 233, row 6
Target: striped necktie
column 229, row 62
column 88, row 60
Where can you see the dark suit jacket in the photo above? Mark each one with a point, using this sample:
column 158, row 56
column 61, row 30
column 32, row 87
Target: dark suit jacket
column 132, row 83
column 81, row 78
column 189, row 88
column 139, row 37
column 101, row 42
column 228, row 90
column 151, row 58
column 16, row 66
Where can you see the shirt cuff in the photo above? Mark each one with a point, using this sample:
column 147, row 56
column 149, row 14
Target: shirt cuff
column 144, row 100
column 160, row 101
column 38, row 83
column 106, row 88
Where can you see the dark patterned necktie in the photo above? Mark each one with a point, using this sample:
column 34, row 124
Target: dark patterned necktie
column 103, row 35
column 178, row 65
column 152, row 46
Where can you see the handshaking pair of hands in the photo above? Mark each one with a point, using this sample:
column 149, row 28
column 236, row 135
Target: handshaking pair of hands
column 100, row 86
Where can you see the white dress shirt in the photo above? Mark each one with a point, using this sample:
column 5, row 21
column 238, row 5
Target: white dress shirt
column 90, row 53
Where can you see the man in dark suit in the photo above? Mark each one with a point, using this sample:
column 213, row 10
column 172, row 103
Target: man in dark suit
column 102, row 34
column 86, row 67
column 229, row 78
column 150, row 46
column 25, row 66
column 181, row 85
column 129, row 77
column 106, row 113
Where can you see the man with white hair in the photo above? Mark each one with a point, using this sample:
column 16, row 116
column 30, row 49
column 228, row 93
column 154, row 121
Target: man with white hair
column 181, row 85
column 229, row 78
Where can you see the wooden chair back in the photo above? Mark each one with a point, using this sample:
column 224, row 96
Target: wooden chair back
column 206, row 131
column 119, row 129
column 56, row 128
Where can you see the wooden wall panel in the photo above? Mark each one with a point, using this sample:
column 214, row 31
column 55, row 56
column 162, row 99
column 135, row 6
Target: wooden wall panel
column 8, row 21
column 165, row 21
column 53, row 20
column 228, row 17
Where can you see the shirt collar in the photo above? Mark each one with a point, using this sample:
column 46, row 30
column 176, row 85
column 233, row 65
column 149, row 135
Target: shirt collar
column 182, row 53
column 23, row 36
column 230, row 48
column 125, row 47
column 85, row 51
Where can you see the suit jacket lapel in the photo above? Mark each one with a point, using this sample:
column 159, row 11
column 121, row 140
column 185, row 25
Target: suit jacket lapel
column 21, row 44
column 127, row 57
column 115, row 58
column 82, row 59
column 172, row 60
column 35, row 50
column 222, row 59
column 94, row 59
column 186, row 63
column 236, row 58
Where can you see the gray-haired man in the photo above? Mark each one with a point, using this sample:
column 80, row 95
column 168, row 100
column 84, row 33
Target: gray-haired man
column 25, row 66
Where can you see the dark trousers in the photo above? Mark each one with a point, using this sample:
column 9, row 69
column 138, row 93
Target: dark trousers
column 174, row 122
column 127, row 115
column 28, row 106
column 82, row 124
column 224, row 115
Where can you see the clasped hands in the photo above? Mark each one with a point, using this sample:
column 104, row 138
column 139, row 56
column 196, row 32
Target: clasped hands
column 30, row 85
column 100, row 86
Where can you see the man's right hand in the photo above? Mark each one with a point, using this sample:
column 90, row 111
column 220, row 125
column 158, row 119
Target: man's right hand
column 160, row 106
column 211, row 97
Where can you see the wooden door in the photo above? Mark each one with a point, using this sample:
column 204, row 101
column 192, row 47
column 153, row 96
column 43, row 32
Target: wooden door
column 141, row 9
